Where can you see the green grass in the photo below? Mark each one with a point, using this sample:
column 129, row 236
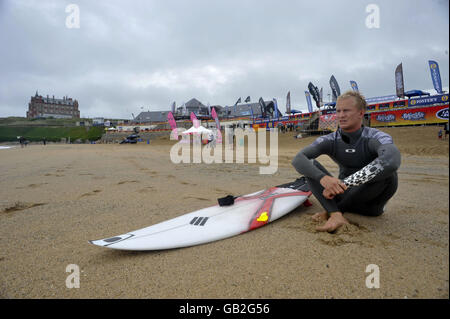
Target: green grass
column 37, row 133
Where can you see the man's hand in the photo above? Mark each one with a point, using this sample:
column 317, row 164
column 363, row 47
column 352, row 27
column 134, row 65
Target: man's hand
column 327, row 194
column 332, row 186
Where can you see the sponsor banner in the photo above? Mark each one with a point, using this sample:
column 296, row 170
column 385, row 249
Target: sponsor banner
column 262, row 105
column 288, row 103
column 424, row 115
column 194, row 120
column 378, row 99
column 334, row 88
column 435, row 76
column 428, row 100
column 399, row 84
column 314, row 91
column 354, row 86
column 216, row 119
column 328, row 122
column 276, row 107
column 308, row 99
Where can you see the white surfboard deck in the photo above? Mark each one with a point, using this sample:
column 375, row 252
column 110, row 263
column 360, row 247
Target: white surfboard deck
column 214, row 223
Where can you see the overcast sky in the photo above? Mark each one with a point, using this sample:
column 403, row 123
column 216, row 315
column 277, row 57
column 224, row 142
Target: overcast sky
column 129, row 56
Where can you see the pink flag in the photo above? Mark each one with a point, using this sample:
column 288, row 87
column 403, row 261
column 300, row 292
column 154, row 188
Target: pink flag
column 173, row 125
column 216, row 118
column 194, row 120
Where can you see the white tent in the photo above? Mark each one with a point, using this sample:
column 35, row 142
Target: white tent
column 199, row 130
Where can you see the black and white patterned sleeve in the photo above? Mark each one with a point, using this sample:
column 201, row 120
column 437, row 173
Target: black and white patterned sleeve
column 365, row 174
column 387, row 162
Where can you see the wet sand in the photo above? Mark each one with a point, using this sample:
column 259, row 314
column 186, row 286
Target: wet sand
column 55, row 198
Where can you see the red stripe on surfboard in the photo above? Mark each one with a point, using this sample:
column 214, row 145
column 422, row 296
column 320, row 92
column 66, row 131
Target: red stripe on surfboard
column 264, row 212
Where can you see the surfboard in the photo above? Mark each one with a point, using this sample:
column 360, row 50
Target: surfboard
column 217, row 222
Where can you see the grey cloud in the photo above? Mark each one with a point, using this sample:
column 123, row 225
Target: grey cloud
column 128, row 55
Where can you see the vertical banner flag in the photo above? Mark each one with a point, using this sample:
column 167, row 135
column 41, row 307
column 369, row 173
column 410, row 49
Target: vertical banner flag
column 235, row 104
column 209, row 109
column 173, row 125
column 276, row 107
column 194, row 120
column 321, row 96
column 435, row 76
column 314, row 93
column 262, row 105
column 216, row 118
column 354, row 86
column 399, row 84
column 334, row 88
column 288, row 103
column 308, row 99
column 173, row 108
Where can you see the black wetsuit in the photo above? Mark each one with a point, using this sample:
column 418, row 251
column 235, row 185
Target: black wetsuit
column 368, row 161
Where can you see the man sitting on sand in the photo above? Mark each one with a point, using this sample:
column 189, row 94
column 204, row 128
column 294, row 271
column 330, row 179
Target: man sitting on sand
column 368, row 161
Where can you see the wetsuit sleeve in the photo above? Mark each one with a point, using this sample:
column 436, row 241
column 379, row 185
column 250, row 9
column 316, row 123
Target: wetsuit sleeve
column 302, row 161
column 387, row 162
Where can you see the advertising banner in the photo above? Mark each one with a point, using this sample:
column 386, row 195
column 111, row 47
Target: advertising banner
column 428, row 100
column 334, row 88
column 308, row 100
column 354, row 86
column 435, row 76
column 424, row 115
column 399, row 83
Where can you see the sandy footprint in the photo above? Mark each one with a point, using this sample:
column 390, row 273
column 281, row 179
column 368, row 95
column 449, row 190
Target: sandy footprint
column 18, row 206
column 146, row 189
column 94, row 192
column 197, row 198
column 124, row 182
column 31, row 186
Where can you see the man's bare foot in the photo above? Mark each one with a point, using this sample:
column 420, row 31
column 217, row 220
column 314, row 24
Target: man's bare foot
column 335, row 221
column 320, row 217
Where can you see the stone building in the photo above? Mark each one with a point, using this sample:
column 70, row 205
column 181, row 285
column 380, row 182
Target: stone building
column 40, row 106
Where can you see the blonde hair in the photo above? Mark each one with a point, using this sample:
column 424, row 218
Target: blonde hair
column 358, row 97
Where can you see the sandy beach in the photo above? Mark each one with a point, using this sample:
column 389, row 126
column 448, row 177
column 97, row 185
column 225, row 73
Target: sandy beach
column 55, row 198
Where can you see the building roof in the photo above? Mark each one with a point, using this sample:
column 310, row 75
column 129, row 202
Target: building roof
column 152, row 116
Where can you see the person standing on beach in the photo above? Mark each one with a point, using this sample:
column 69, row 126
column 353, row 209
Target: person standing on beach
column 21, row 141
column 446, row 130
column 368, row 161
